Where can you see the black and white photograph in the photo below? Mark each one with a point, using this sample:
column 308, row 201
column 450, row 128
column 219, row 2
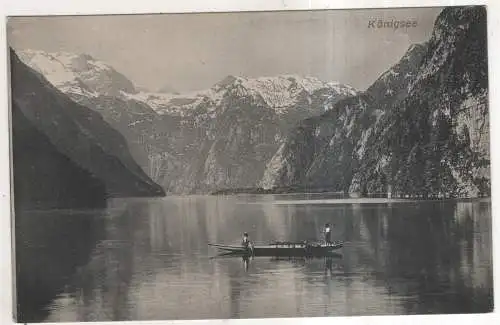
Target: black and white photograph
column 250, row 165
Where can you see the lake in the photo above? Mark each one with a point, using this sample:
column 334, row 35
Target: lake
column 148, row 259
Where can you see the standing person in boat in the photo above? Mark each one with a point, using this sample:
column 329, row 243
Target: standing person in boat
column 246, row 242
column 328, row 234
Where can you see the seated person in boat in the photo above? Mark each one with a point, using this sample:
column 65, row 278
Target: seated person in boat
column 328, row 234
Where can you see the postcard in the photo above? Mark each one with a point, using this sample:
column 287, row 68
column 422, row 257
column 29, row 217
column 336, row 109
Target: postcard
column 250, row 165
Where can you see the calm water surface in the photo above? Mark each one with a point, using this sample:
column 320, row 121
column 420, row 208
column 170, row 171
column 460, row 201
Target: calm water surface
column 148, row 259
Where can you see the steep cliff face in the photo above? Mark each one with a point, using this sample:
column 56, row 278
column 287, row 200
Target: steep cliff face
column 420, row 129
column 437, row 139
column 306, row 149
column 394, row 84
column 132, row 119
column 325, row 151
column 245, row 128
column 76, row 133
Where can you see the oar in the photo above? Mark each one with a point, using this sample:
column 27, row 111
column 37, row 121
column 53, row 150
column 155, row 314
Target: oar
column 228, row 247
column 221, row 245
column 214, row 245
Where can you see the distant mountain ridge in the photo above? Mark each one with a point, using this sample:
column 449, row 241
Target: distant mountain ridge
column 192, row 143
column 224, row 136
column 82, row 75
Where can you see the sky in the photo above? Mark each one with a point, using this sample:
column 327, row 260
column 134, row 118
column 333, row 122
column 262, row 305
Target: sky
column 187, row 52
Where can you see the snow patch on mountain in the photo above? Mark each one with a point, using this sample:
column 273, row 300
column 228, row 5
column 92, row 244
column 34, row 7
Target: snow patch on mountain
column 176, row 104
column 79, row 74
column 283, row 91
column 278, row 93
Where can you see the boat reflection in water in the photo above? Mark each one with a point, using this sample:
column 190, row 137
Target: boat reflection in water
column 296, row 260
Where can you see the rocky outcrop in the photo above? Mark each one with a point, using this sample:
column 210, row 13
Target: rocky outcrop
column 420, row 129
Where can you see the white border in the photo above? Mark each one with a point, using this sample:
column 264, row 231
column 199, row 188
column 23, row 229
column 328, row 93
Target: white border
column 88, row 7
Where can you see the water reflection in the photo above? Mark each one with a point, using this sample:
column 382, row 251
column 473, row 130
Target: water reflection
column 429, row 255
column 406, row 258
column 50, row 247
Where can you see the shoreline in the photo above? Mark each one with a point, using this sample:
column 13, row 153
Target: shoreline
column 370, row 201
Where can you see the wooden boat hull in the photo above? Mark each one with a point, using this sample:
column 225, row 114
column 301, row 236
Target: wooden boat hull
column 282, row 250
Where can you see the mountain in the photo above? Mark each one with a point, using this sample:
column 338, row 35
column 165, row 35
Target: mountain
column 192, row 142
column 78, row 74
column 225, row 136
column 279, row 93
column 421, row 129
column 437, row 139
column 393, row 85
column 45, row 178
column 74, row 138
column 324, row 151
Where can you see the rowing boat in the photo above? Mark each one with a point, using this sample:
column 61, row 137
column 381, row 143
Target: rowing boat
column 282, row 249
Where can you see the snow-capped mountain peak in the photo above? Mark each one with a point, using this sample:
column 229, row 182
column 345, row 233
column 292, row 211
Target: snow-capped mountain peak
column 78, row 74
column 279, row 93
column 282, row 90
column 81, row 75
